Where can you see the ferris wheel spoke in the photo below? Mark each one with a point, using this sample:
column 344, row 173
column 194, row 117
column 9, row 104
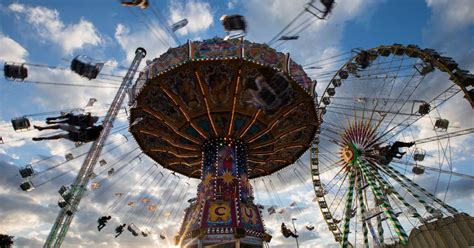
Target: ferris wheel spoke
column 381, row 112
column 329, row 164
column 331, row 130
column 408, row 90
column 328, row 159
column 330, row 139
column 330, row 167
column 441, row 98
column 328, row 152
column 410, row 163
column 369, row 119
column 329, row 187
column 337, row 193
column 466, row 131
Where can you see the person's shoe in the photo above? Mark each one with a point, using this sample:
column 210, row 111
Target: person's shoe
column 37, row 139
column 38, row 127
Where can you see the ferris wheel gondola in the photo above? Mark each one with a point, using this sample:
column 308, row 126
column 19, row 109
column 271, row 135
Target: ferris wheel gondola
column 375, row 115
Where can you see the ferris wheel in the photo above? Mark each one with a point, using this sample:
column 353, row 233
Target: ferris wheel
column 383, row 161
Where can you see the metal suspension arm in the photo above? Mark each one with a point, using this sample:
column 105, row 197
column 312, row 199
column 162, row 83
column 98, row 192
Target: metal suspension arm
column 65, row 216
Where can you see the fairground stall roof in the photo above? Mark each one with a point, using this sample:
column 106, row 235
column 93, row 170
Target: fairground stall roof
column 228, row 89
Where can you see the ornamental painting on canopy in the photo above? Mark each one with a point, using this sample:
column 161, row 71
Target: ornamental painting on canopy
column 262, row 53
column 297, row 72
column 215, row 48
column 183, row 88
column 169, row 59
column 217, row 79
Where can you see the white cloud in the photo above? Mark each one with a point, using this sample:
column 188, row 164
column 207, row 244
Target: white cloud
column 199, row 15
column 10, row 50
column 232, row 3
column 129, row 41
column 455, row 14
column 50, row 27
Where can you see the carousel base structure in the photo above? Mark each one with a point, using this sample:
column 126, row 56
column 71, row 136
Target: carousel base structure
column 223, row 214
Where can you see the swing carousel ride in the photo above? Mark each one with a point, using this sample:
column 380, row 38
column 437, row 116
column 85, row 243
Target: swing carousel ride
column 223, row 112
column 237, row 117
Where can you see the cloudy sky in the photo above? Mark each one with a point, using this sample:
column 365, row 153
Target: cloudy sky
column 53, row 32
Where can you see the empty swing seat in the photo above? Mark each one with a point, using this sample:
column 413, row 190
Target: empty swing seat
column 27, row 186
column 84, row 69
column 234, row 23
column 27, row 171
column 21, row 123
column 13, row 71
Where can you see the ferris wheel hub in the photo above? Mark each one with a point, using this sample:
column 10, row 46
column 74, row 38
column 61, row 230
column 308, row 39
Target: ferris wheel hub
column 348, row 154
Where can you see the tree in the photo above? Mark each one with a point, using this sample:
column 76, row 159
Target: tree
column 6, row 241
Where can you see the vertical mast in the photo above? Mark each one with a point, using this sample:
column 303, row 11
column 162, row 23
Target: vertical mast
column 65, row 216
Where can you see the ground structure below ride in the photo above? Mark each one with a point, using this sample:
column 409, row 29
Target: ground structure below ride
column 223, row 112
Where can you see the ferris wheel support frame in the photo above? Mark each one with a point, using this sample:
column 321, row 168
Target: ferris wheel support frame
column 66, row 215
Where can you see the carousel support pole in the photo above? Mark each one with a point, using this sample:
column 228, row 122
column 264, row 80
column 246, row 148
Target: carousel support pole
column 237, row 243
